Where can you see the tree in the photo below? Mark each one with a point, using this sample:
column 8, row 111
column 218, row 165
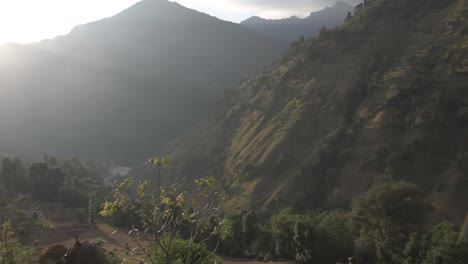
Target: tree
column 46, row 181
column 159, row 163
column 464, row 231
column 92, row 209
column 13, row 174
column 444, row 248
column 334, row 240
column 11, row 250
column 250, row 230
column 176, row 228
column 282, row 233
column 316, row 237
column 439, row 246
column 384, row 217
column 304, row 239
column 233, row 246
column 6, row 173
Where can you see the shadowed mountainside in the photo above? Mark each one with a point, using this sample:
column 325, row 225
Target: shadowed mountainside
column 120, row 87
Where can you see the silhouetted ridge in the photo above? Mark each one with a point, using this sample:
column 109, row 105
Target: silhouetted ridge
column 290, row 29
column 124, row 85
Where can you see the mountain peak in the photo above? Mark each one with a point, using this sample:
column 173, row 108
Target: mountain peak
column 133, row 67
column 341, row 4
column 290, row 29
column 337, row 7
column 253, row 19
column 152, row 8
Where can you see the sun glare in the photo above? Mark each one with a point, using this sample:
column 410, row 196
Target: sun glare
column 27, row 21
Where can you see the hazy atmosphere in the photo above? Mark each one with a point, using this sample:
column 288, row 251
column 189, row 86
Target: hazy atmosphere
column 26, row 21
column 233, row 132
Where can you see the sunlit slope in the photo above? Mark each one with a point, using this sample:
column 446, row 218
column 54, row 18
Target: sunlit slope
column 386, row 94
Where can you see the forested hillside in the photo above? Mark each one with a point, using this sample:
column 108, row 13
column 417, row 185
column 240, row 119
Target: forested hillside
column 350, row 148
column 385, row 95
column 120, row 87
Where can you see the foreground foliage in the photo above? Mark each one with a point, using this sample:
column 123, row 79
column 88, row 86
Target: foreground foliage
column 11, row 250
column 167, row 227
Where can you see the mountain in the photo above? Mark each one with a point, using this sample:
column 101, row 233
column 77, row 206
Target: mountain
column 119, row 88
column 383, row 95
column 291, row 29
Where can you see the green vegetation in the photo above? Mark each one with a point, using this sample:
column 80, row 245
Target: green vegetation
column 68, row 181
column 167, row 227
column 13, row 175
column 183, row 251
column 63, row 185
column 383, row 94
column 110, row 256
column 360, row 133
column 437, row 246
column 383, row 217
column 384, row 225
column 11, row 250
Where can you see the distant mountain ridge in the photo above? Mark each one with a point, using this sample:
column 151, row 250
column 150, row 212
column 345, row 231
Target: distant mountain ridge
column 121, row 87
column 290, row 29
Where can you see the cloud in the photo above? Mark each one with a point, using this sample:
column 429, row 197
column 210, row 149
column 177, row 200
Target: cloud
column 287, row 4
column 297, row 7
column 237, row 10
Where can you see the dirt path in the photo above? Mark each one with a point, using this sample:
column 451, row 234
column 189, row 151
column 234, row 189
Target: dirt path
column 60, row 226
column 116, row 240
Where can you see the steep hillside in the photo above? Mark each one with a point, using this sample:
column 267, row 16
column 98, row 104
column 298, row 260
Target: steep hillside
column 120, row 87
column 385, row 94
column 291, row 29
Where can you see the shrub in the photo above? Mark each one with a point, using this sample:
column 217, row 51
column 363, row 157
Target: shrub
column 436, row 247
column 11, row 250
column 181, row 251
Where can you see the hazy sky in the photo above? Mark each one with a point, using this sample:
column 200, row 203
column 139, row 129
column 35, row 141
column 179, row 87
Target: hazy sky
column 33, row 20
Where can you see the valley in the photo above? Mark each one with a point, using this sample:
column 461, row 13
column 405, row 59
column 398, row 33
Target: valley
column 178, row 137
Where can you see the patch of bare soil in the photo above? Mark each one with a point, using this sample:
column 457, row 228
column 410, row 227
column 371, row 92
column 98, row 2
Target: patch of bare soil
column 60, row 226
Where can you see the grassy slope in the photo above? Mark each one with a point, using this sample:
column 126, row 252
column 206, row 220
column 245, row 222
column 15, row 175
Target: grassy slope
column 383, row 95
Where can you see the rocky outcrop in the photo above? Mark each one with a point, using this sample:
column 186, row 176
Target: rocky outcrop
column 85, row 253
column 53, row 255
